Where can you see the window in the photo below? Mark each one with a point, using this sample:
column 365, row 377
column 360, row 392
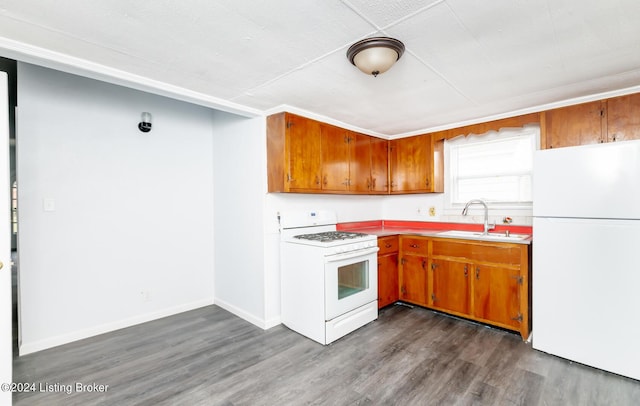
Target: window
column 496, row 166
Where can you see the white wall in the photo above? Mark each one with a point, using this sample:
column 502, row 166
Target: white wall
column 131, row 235
column 239, row 151
column 247, row 235
column 416, row 208
column 6, row 343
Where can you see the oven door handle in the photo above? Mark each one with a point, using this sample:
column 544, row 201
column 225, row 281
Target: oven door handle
column 351, row 254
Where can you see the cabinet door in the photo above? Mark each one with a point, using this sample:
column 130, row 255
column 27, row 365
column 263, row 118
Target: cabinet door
column 379, row 165
column 413, row 279
column 496, row 295
column 335, row 158
column 623, row 118
column 574, row 125
column 360, row 165
column 410, row 160
column 303, row 142
column 450, row 286
column 387, row 280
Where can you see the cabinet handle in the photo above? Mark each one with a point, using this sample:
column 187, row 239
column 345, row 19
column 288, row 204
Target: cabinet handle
column 519, row 279
column 387, row 245
column 478, row 273
column 324, row 180
column 424, row 264
column 434, row 266
column 373, row 183
column 427, row 182
column 414, row 245
column 346, row 182
column 466, row 271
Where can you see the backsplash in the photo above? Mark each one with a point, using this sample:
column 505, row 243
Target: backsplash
column 430, row 207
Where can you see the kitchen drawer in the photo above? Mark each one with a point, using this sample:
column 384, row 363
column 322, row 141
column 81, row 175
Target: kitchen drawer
column 388, row 245
column 414, row 245
column 502, row 253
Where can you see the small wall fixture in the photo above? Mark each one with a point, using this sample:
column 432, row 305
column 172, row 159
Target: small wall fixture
column 145, row 122
column 376, row 55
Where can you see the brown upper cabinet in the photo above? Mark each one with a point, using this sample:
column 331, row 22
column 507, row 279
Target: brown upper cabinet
column 623, row 118
column 307, row 156
column 609, row 120
column 353, row 162
column 416, row 164
column 335, row 156
column 372, row 165
column 294, row 162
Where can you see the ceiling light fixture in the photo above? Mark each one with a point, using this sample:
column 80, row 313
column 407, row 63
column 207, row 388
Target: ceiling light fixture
column 376, row 55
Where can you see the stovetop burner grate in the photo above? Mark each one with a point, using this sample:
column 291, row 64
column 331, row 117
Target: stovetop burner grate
column 329, row 236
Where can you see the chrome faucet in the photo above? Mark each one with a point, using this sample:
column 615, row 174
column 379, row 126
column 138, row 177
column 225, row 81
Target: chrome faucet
column 487, row 226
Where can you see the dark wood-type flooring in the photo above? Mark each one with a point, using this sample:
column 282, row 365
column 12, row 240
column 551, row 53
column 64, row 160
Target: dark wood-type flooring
column 409, row 356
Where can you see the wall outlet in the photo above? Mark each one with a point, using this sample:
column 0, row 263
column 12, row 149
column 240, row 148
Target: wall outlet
column 49, row 204
column 427, row 211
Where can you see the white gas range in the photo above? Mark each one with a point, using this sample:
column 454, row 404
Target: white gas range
column 329, row 278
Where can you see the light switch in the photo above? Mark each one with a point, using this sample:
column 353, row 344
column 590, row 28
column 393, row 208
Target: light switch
column 49, row 204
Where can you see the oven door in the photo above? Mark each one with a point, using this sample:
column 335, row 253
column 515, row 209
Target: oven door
column 351, row 281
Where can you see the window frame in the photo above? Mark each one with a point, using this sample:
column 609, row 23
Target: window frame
column 495, row 207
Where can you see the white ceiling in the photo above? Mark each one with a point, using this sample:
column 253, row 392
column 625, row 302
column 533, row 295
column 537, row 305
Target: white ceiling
column 465, row 60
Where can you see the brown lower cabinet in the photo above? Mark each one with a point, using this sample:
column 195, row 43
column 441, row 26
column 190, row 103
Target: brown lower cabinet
column 482, row 281
column 387, row 271
column 412, row 269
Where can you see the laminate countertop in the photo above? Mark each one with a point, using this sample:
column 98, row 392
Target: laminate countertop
column 510, row 234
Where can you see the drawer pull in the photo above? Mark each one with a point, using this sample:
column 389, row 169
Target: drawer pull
column 414, row 245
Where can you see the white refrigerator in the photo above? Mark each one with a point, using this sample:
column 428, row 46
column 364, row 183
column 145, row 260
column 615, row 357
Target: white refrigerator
column 586, row 255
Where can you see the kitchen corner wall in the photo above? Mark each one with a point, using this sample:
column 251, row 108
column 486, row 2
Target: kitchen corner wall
column 348, row 208
column 246, row 229
column 116, row 225
column 415, row 207
column 239, row 151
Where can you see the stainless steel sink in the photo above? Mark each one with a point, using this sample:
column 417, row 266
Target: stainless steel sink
column 476, row 235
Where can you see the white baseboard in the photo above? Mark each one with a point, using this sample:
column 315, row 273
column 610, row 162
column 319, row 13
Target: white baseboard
column 30, row 347
column 272, row 322
column 257, row 321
